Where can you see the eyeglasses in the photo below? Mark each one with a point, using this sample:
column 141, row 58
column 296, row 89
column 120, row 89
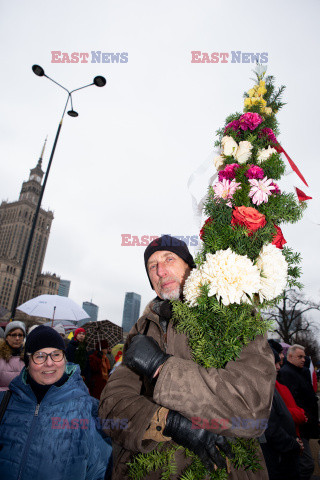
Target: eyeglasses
column 41, row 357
column 17, row 335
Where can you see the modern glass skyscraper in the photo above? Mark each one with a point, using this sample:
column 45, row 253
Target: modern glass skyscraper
column 64, row 288
column 131, row 310
column 92, row 311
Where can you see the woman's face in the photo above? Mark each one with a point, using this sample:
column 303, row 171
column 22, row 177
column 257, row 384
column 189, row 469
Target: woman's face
column 15, row 338
column 48, row 372
column 80, row 337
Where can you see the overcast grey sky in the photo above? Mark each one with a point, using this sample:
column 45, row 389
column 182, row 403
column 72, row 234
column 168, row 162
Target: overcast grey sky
column 123, row 165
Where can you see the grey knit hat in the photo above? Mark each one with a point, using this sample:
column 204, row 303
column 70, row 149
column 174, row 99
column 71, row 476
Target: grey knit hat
column 60, row 329
column 13, row 326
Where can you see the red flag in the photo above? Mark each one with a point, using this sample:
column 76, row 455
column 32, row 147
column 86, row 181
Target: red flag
column 292, row 164
column 302, row 197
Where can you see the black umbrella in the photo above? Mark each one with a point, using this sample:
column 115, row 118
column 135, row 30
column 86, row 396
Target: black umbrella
column 102, row 330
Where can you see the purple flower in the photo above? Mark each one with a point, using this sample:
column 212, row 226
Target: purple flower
column 229, row 172
column 255, row 172
column 276, row 190
column 268, row 132
column 233, row 125
column 250, row 121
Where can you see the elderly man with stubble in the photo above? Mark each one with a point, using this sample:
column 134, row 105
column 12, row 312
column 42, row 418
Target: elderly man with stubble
column 159, row 388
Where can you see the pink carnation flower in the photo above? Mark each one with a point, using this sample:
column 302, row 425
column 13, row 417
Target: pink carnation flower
column 225, row 189
column 260, row 190
column 276, row 190
column 255, row 172
column 268, row 132
column 250, row 120
column 233, row 125
column 229, row 172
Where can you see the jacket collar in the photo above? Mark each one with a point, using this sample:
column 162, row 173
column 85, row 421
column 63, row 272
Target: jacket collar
column 296, row 369
column 74, row 387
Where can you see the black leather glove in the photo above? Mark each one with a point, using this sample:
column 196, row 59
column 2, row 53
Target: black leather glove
column 202, row 442
column 144, row 356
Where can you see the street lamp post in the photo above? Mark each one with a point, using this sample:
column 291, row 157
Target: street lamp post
column 99, row 81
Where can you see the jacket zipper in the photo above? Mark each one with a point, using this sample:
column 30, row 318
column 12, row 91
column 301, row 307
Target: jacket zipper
column 35, row 416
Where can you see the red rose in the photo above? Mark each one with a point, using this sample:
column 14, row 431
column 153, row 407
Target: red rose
column 209, row 220
column 278, row 239
column 249, row 217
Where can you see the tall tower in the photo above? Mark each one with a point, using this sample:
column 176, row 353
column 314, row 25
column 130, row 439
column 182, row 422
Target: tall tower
column 15, row 226
column 92, row 310
column 131, row 310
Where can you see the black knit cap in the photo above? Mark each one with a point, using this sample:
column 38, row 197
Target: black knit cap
column 42, row 337
column 275, row 345
column 169, row 244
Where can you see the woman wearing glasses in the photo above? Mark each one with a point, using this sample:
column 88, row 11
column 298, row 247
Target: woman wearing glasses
column 50, row 428
column 11, row 353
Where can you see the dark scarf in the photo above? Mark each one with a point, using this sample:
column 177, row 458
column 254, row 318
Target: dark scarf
column 41, row 390
column 163, row 308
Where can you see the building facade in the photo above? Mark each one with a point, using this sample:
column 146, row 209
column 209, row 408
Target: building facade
column 15, row 226
column 64, row 288
column 131, row 310
column 92, row 310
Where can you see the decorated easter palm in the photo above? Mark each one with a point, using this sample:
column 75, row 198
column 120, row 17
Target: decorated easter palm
column 243, row 265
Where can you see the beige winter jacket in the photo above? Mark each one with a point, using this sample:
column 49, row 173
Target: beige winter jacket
column 237, row 398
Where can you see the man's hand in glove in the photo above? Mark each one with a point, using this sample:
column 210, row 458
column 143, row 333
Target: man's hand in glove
column 144, row 356
column 202, row 442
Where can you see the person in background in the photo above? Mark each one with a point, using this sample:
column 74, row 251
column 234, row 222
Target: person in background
column 110, row 358
column 76, row 352
column 280, row 445
column 49, row 428
column 292, row 375
column 100, row 368
column 61, row 330
column 11, row 353
column 278, row 348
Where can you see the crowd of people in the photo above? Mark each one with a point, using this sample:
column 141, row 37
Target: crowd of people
column 53, row 427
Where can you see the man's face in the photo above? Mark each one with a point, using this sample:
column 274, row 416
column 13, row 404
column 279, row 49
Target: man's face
column 297, row 358
column 167, row 272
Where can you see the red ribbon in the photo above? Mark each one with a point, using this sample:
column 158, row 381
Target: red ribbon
column 302, row 197
column 292, row 165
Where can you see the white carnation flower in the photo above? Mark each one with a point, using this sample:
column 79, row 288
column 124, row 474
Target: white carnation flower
column 230, row 276
column 265, row 154
column 274, row 271
column 191, row 289
column 243, row 152
column 229, row 146
column 218, row 161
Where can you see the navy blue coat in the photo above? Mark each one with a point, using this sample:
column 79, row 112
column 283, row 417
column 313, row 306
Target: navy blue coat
column 57, row 439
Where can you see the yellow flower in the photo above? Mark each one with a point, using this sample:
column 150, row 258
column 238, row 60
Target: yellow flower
column 268, row 110
column 248, row 102
column 262, row 83
column 262, row 90
column 262, row 101
column 255, row 100
column 251, row 92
